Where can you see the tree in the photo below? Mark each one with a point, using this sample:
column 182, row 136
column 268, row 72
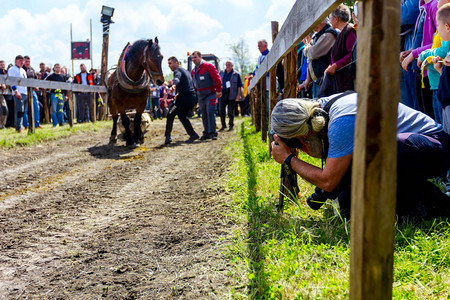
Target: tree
column 240, row 57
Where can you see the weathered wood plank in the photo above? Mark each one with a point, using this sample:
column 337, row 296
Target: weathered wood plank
column 257, row 108
column 45, row 102
column 303, row 18
column 46, row 84
column 374, row 161
column 264, row 111
column 70, row 99
column 31, row 127
column 290, row 74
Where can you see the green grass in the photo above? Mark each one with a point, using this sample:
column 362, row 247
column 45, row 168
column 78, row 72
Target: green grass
column 10, row 138
column 304, row 254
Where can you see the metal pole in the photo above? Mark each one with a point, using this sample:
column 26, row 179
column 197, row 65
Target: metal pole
column 71, row 50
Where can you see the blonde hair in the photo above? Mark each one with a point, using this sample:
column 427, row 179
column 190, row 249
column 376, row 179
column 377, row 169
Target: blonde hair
column 297, row 117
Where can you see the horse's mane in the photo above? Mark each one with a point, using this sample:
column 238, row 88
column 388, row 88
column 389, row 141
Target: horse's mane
column 137, row 48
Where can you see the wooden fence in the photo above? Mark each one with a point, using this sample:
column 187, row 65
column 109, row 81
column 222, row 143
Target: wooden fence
column 45, row 85
column 374, row 157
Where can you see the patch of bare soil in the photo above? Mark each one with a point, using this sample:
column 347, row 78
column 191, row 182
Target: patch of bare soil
column 82, row 220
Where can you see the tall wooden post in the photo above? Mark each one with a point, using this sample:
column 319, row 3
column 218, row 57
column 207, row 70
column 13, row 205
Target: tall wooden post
column 31, row 120
column 273, row 73
column 93, row 108
column 104, row 66
column 257, row 106
column 264, row 109
column 45, row 101
column 70, row 99
column 290, row 74
column 374, row 161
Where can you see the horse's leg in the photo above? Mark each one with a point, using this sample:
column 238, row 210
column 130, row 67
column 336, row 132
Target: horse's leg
column 128, row 136
column 138, row 135
column 113, row 137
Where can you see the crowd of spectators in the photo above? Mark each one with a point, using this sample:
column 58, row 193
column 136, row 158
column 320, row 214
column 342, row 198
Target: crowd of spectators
column 14, row 105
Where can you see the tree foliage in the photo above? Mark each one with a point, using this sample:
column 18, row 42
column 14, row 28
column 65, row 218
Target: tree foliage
column 241, row 59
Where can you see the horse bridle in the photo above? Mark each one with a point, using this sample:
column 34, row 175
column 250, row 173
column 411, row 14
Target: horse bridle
column 147, row 67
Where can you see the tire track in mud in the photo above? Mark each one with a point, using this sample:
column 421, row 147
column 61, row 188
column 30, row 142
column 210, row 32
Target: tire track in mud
column 114, row 223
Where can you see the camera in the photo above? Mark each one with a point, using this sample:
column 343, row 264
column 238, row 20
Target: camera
column 291, row 143
column 319, row 197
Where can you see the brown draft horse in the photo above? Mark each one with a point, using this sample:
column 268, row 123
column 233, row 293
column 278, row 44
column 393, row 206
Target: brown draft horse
column 129, row 86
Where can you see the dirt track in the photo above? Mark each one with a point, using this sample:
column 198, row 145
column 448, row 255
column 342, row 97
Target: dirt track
column 81, row 220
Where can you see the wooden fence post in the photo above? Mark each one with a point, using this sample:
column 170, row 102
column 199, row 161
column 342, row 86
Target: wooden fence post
column 374, row 161
column 45, row 103
column 264, row 109
column 30, row 100
column 70, row 99
column 257, row 107
column 93, row 108
column 290, row 74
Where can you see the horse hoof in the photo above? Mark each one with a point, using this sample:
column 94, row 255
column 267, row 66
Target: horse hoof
column 112, row 142
column 132, row 146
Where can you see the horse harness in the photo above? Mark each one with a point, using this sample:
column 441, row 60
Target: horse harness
column 126, row 83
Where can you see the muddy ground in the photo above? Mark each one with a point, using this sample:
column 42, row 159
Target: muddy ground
column 81, row 220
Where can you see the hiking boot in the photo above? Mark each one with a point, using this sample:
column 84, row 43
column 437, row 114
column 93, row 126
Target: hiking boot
column 168, row 140
column 192, row 138
column 231, row 128
column 222, row 128
column 205, row 136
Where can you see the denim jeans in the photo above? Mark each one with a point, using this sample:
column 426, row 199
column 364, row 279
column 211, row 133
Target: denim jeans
column 36, row 112
column 408, row 89
column 208, row 105
column 20, row 105
column 437, row 108
column 57, row 109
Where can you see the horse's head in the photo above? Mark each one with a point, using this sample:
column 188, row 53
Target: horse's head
column 153, row 59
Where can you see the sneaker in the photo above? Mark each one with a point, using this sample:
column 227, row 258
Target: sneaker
column 192, row 138
column 214, row 136
column 205, row 136
column 231, row 128
column 168, row 140
column 222, row 128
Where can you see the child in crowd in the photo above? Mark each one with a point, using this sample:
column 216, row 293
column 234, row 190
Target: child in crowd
column 443, row 94
column 439, row 48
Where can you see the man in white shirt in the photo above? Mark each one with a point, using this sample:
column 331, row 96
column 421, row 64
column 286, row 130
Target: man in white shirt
column 19, row 92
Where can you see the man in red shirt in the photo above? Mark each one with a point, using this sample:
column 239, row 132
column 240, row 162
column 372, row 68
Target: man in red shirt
column 209, row 88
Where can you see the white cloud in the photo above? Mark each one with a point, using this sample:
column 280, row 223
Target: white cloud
column 279, row 10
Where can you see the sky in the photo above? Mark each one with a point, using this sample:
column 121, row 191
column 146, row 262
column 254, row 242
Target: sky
column 41, row 28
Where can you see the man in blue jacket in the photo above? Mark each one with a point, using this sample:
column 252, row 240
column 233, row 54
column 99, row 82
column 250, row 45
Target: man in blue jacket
column 231, row 92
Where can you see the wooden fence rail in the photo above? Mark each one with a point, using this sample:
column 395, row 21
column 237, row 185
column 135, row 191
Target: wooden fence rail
column 46, row 84
column 374, row 157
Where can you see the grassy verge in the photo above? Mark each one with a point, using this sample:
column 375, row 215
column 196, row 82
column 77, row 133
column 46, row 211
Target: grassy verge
column 304, row 254
column 10, row 138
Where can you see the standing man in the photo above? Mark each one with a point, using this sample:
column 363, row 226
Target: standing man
column 184, row 101
column 153, row 100
column 19, row 92
column 9, row 98
column 31, row 74
column 231, row 92
column 209, row 89
column 84, row 100
column 57, row 98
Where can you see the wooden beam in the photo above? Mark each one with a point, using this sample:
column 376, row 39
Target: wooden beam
column 45, row 103
column 93, row 108
column 264, row 110
column 46, row 84
column 273, row 74
column 374, row 161
column 31, row 121
column 70, row 99
column 302, row 19
column 257, row 108
column 290, row 74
